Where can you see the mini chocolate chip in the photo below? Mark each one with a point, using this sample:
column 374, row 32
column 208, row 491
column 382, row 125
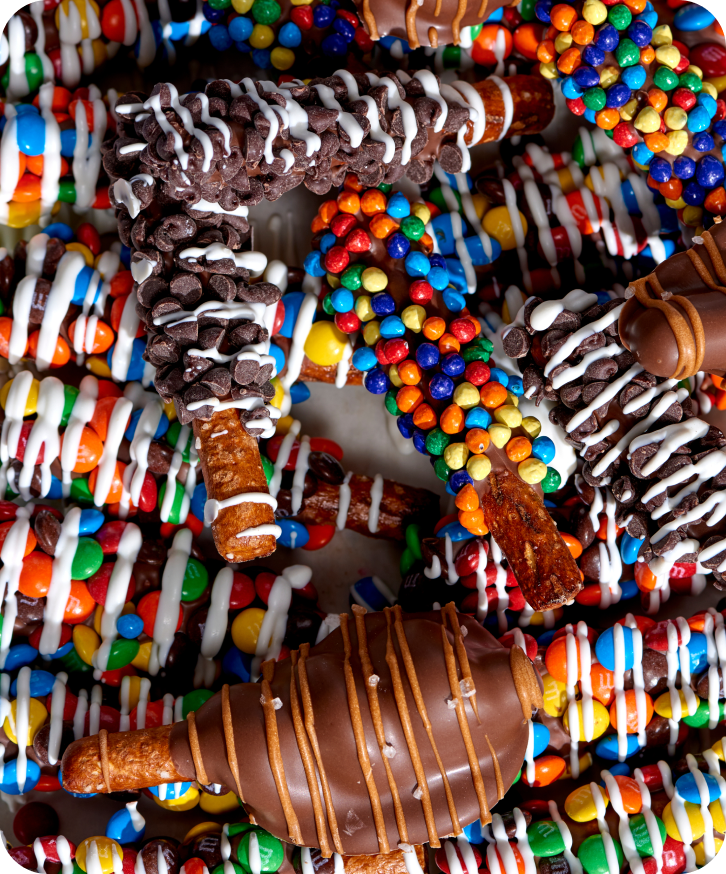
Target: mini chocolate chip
column 516, row 343
column 222, row 287
column 218, row 380
column 163, row 349
column 260, row 292
column 186, row 288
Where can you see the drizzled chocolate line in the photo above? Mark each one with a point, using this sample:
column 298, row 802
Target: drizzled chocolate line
column 497, row 769
column 360, row 739
column 196, row 750
column 274, row 752
column 423, row 713
column 528, row 692
column 468, row 681
column 313, row 736
column 103, row 754
column 371, row 683
column 229, row 741
column 689, row 333
column 484, row 814
column 307, row 760
column 405, row 717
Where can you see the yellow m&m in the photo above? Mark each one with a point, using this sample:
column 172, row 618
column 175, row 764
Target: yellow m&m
column 581, row 805
column 498, row 224
column 554, row 695
column 102, row 849
column 37, row 714
column 600, row 719
column 218, row 805
column 246, row 629
column 325, row 344
column 31, row 401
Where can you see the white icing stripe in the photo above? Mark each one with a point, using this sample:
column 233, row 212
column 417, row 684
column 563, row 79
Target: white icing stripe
column 212, row 507
column 167, row 614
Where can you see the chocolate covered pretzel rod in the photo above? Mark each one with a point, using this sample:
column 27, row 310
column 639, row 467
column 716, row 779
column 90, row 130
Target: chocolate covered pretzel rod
column 452, row 761
column 673, row 321
column 237, row 148
column 639, row 437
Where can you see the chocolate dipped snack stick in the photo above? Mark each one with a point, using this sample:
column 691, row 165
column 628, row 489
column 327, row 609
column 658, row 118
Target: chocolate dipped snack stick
column 428, row 23
column 640, row 438
column 246, row 141
column 386, row 716
column 208, row 336
column 673, row 322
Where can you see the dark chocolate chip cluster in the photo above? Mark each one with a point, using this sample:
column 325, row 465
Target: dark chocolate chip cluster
column 243, row 176
column 628, row 473
column 196, row 354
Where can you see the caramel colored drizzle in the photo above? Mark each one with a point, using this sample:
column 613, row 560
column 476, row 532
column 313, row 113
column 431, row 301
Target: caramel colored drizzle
column 525, row 682
column 433, row 37
column 497, row 770
column 275, row 753
column 484, row 814
column 196, row 749
column 103, row 756
column 370, row 21
column 688, row 332
column 423, row 713
column 455, row 24
column 360, row 739
column 411, row 33
column 308, row 762
column 375, row 711
column 687, row 329
column 313, row 737
column 229, row 740
column 437, row 10
column 450, row 611
column 405, row 717
column 482, row 9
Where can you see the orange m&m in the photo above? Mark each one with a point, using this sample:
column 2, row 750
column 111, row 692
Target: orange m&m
column 117, row 484
column 90, row 450
column 631, row 711
column 547, row 769
column 35, row 575
column 80, row 605
column 61, row 356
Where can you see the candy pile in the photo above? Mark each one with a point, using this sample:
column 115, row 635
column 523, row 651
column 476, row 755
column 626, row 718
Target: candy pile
column 369, row 243
column 605, row 55
column 207, row 848
column 275, row 37
column 115, row 625
column 40, row 46
column 662, row 816
column 51, row 152
column 67, row 300
column 636, row 685
column 98, row 446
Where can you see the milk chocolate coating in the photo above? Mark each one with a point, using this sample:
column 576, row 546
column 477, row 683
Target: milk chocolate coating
column 385, row 18
column 499, row 706
column 646, row 332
